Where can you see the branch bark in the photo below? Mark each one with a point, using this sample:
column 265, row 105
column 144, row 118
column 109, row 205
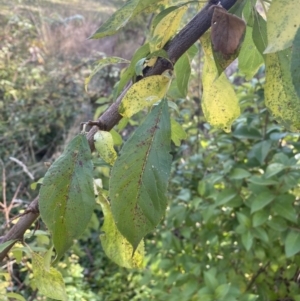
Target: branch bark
column 175, row 49
column 18, row 230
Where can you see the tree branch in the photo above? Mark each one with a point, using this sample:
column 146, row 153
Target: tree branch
column 18, row 230
column 175, row 49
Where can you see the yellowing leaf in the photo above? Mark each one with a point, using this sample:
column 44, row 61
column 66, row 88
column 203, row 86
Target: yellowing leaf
column 143, row 94
column 49, row 281
column 47, row 258
column 114, row 244
column 104, row 145
column 177, row 132
column 117, row 138
column 160, row 16
column 219, row 103
column 166, row 28
column 280, row 94
column 282, row 24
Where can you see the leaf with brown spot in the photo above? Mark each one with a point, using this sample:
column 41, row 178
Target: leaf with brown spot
column 220, row 104
column 282, row 24
column 280, row 94
column 139, row 177
column 66, row 199
column 144, row 93
column 227, row 34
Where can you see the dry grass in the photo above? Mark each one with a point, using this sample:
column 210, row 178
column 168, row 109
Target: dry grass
column 63, row 28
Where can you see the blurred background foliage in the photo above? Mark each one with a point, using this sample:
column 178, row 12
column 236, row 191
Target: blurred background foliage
column 231, row 231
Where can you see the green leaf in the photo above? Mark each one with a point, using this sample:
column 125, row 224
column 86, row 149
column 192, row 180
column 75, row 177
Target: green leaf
column 295, row 63
column 280, row 95
column 173, row 106
column 205, row 294
column 101, row 64
column 211, row 280
column 225, row 196
column 262, row 181
column 249, row 58
column 285, row 210
column 236, row 202
column 139, row 67
column 121, row 17
column 260, row 217
column 66, row 199
column 220, row 104
column 261, row 234
column 243, row 219
column 34, row 185
column 123, row 123
column 192, row 51
column 15, row 296
column 248, row 11
column 283, row 23
column 6, row 244
column 177, row 132
column 273, row 169
column 144, row 94
column 158, row 53
column 244, row 132
column 17, row 254
column 260, row 150
column 129, row 73
column 292, row 243
column 182, row 72
column 247, row 240
column 104, row 144
column 238, row 7
column 202, row 188
column 259, row 33
column 47, row 258
column 262, row 200
column 166, row 28
column 49, row 282
column 114, row 244
column 239, row 173
column 140, row 175
column 117, row 138
column 248, row 297
column 221, row 291
column 278, row 223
